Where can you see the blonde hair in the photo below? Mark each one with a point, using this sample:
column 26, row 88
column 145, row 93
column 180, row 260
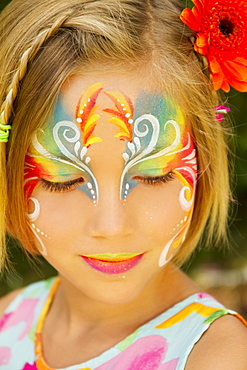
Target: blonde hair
column 44, row 42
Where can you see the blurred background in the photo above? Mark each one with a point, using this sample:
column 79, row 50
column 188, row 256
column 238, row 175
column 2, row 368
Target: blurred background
column 219, row 271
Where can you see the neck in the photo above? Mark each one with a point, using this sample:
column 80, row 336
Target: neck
column 169, row 287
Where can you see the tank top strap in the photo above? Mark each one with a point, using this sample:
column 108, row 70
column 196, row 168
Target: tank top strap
column 186, row 324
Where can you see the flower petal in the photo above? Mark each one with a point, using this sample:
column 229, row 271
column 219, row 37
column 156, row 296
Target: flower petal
column 189, row 19
column 201, row 45
column 241, row 61
column 197, row 10
column 213, row 64
column 225, row 86
column 221, row 30
column 218, row 77
column 220, row 82
column 239, row 85
column 199, row 5
column 202, row 39
column 236, row 70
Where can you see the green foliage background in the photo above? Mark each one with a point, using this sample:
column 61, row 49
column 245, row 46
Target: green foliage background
column 233, row 258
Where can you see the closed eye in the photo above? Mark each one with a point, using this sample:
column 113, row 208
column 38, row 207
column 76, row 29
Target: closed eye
column 60, row 187
column 156, row 180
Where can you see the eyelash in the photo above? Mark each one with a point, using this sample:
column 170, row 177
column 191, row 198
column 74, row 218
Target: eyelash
column 59, row 187
column 156, row 180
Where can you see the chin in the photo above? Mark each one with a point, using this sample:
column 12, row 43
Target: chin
column 115, row 293
column 116, row 299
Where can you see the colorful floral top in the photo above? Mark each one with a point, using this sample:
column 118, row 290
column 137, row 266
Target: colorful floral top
column 164, row 343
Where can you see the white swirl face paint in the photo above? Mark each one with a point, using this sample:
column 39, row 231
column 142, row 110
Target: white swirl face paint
column 35, row 214
column 158, row 143
column 32, row 218
column 58, row 155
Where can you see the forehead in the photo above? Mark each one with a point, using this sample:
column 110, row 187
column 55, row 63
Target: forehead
column 130, row 100
column 126, row 127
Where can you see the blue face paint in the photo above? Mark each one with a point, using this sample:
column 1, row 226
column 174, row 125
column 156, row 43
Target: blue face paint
column 154, row 128
column 59, row 150
column 157, row 133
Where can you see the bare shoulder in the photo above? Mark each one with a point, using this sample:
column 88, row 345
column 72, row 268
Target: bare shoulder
column 7, row 299
column 223, row 346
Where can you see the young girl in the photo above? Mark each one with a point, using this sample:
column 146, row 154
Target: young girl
column 113, row 162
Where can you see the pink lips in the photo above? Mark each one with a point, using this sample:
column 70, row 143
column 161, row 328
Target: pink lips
column 112, row 266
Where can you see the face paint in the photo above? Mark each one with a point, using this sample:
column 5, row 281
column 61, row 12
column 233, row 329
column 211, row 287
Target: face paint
column 158, row 144
column 113, row 263
column 122, row 115
column 58, row 152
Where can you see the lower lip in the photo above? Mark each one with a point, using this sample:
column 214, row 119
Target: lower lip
column 113, row 267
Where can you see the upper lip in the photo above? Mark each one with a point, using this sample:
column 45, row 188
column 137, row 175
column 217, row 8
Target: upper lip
column 112, row 257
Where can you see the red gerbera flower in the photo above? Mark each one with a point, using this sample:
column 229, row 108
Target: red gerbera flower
column 221, row 35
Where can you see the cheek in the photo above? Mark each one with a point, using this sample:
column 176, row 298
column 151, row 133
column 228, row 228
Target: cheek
column 164, row 214
column 179, row 232
column 53, row 217
column 158, row 209
column 59, row 209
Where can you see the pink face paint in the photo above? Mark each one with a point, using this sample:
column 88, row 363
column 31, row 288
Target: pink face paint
column 113, row 263
column 157, row 143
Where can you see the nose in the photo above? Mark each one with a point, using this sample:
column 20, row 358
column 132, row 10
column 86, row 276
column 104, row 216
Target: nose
column 110, row 218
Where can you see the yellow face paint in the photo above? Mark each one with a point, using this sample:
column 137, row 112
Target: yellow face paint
column 159, row 147
column 113, row 256
column 58, row 152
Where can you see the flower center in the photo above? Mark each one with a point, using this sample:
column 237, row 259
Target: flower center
column 226, row 27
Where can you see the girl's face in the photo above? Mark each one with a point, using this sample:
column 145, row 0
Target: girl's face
column 110, row 182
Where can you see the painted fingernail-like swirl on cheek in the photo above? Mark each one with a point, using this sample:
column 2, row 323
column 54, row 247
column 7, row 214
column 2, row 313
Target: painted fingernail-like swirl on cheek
column 36, row 231
column 187, row 176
